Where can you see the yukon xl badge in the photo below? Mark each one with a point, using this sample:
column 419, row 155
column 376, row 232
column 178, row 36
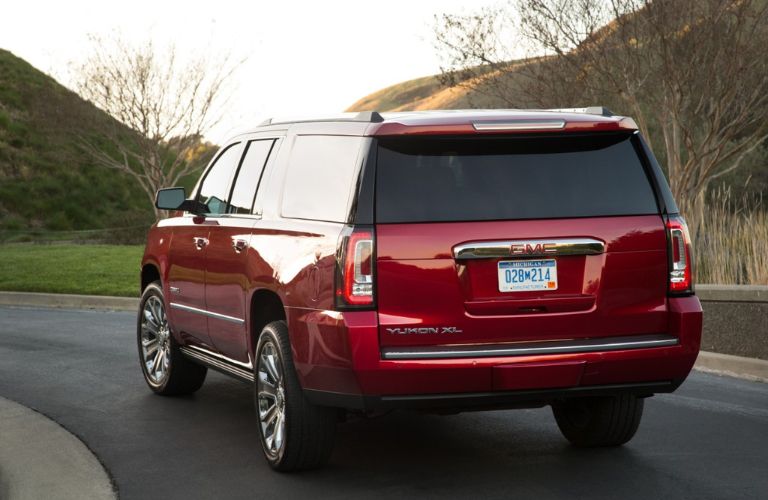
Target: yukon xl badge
column 423, row 331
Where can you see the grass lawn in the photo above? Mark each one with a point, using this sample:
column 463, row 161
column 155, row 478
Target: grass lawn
column 81, row 269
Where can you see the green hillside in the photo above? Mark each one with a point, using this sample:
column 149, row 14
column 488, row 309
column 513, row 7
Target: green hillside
column 46, row 181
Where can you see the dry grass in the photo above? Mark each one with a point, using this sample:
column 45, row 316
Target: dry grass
column 730, row 240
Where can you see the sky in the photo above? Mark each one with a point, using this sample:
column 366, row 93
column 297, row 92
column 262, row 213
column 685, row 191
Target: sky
column 303, row 57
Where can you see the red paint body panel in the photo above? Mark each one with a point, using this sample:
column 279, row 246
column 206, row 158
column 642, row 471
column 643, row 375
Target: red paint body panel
column 382, row 377
column 185, row 278
column 621, row 292
column 226, row 284
column 543, row 375
column 452, row 123
column 340, row 351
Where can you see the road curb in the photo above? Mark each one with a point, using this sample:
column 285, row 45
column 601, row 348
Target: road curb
column 68, row 301
column 41, row 459
column 732, row 293
column 734, row 366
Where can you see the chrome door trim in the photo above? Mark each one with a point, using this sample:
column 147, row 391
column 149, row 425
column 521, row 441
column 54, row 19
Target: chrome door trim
column 224, row 317
column 219, row 362
column 239, row 244
column 528, row 248
column 200, row 242
column 532, row 348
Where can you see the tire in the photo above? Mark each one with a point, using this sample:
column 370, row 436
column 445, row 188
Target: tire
column 294, row 433
column 166, row 371
column 599, row 421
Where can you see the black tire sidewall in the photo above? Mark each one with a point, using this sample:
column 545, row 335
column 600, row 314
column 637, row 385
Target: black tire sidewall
column 599, row 421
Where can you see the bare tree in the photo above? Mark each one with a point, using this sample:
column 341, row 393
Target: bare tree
column 693, row 73
column 162, row 106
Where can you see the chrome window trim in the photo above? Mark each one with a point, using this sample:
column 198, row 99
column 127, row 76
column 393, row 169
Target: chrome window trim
column 519, row 125
column 532, row 348
column 224, row 317
column 219, row 362
column 541, row 248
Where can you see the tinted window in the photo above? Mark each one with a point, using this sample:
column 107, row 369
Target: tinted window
column 465, row 179
column 215, row 188
column 321, row 172
column 249, row 175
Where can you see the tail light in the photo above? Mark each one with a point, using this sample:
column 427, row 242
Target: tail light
column 680, row 262
column 354, row 268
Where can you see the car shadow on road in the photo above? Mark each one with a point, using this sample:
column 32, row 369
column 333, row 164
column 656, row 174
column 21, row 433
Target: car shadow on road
column 493, row 454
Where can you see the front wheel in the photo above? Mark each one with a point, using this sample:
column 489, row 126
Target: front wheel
column 166, row 371
column 599, row 421
column 295, row 434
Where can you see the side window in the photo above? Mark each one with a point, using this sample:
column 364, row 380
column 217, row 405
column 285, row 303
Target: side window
column 321, row 172
column 215, row 188
column 249, row 176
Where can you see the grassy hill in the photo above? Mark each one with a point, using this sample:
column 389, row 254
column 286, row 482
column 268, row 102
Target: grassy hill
column 423, row 94
column 418, row 94
column 46, row 181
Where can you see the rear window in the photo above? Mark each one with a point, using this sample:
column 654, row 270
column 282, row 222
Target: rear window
column 471, row 179
column 321, row 174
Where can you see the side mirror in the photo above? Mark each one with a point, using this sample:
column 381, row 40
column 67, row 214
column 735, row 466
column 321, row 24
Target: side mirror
column 176, row 199
column 170, row 198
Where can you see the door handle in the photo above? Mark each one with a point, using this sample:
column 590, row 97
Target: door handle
column 200, row 242
column 239, row 245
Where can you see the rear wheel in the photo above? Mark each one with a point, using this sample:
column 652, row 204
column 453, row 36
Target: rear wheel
column 599, row 421
column 295, row 434
column 166, row 370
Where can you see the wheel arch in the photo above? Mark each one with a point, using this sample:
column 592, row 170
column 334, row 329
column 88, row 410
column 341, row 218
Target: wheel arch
column 150, row 272
column 266, row 306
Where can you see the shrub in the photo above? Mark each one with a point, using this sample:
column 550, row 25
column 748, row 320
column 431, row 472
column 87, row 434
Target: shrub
column 730, row 239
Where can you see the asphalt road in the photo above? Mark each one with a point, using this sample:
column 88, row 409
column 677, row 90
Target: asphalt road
column 708, row 440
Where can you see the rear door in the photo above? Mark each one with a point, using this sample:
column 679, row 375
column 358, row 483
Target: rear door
column 508, row 239
column 226, row 278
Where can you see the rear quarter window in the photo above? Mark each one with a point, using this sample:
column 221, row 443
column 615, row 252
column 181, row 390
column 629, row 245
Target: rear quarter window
column 473, row 179
column 320, row 176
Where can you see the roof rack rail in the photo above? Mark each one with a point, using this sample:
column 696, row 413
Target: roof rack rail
column 591, row 110
column 363, row 116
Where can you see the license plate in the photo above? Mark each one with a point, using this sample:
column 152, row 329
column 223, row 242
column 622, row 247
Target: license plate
column 527, row 275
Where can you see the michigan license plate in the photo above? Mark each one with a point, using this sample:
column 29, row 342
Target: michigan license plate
column 527, row 275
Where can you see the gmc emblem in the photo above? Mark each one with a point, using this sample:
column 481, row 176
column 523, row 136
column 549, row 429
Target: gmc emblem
column 529, row 249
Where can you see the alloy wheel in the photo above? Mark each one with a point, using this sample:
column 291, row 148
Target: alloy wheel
column 155, row 340
column 271, row 398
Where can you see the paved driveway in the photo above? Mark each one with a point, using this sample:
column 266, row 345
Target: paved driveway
column 708, row 440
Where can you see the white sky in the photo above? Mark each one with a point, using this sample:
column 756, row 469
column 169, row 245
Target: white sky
column 304, row 56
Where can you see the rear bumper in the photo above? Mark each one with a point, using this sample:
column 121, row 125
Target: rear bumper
column 482, row 400
column 370, row 382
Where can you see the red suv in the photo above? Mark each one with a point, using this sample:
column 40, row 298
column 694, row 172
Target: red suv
column 440, row 261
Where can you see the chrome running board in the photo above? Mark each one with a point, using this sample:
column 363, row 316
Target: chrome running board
column 531, row 348
column 217, row 362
